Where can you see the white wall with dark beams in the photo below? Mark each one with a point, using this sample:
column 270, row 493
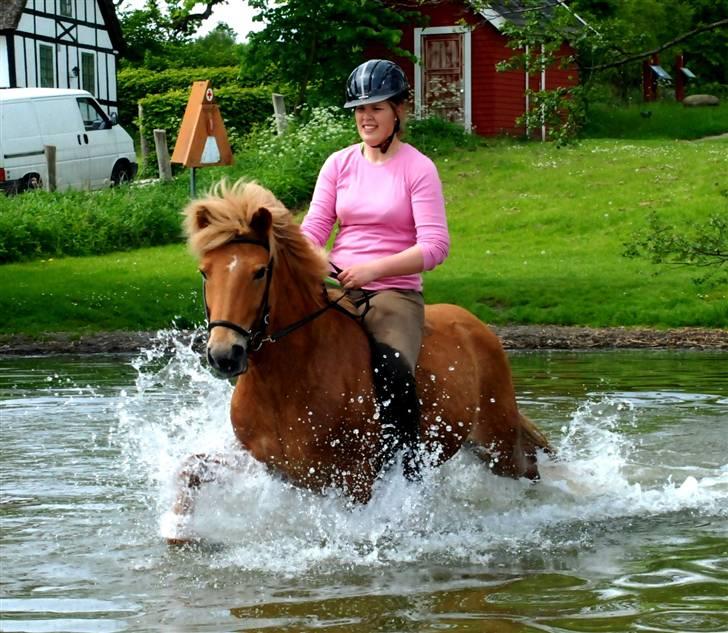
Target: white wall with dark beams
column 61, row 44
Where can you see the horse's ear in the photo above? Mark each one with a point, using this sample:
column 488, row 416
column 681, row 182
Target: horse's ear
column 201, row 217
column 261, row 222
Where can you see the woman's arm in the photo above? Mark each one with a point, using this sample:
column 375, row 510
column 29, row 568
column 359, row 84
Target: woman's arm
column 408, row 262
column 321, row 216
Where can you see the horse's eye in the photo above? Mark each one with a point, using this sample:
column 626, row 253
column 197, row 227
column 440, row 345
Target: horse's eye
column 203, row 273
column 258, row 274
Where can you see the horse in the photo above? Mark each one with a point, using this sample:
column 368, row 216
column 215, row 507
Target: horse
column 304, row 401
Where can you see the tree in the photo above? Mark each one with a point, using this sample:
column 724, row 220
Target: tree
column 610, row 39
column 158, row 40
column 314, row 44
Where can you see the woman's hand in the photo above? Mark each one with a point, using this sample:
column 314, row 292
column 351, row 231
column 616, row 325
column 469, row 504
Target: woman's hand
column 359, row 275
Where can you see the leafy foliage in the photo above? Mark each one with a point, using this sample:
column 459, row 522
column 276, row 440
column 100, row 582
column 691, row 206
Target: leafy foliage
column 288, row 164
column 314, row 45
column 610, row 40
column 41, row 224
column 703, row 245
column 137, row 83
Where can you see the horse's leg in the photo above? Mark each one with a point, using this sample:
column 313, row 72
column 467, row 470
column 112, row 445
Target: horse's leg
column 504, row 438
column 509, row 450
column 195, row 471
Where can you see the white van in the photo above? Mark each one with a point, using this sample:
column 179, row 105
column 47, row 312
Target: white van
column 92, row 150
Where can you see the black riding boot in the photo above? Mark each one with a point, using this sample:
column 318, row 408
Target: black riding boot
column 399, row 407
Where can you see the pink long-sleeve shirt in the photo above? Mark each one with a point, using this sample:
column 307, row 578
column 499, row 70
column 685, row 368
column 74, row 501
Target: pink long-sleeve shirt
column 382, row 209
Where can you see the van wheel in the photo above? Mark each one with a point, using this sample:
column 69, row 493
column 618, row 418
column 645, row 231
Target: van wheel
column 32, row 182
column 121, row 174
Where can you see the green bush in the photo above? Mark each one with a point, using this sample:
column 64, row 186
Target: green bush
column 289, row 164
column 241, row 109
column 435, row 136
column 134, row 84
column 40, row 224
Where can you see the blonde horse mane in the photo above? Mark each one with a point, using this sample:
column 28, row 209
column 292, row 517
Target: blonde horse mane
column 229, row 211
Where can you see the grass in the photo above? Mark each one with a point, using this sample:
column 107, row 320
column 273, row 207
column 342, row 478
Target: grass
column 658, row 120
column 537, row 237
column 538, row 232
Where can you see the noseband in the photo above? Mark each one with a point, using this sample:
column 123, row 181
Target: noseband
column 257, row 335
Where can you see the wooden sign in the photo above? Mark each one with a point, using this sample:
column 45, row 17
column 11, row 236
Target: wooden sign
column 202, row 140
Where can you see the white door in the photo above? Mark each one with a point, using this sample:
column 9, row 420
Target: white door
column 100, row 139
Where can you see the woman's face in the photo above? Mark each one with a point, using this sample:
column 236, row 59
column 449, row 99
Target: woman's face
column 375, row 122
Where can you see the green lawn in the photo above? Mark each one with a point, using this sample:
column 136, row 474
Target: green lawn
column 537, row 237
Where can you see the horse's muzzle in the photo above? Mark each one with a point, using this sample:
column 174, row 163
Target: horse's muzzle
column 229, row 361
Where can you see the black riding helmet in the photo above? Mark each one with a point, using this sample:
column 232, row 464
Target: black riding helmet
column 374, row 81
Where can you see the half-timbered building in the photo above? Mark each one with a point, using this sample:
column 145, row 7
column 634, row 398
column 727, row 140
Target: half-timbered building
column 61, row 44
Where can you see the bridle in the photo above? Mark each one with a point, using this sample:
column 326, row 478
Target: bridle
column 257, row 335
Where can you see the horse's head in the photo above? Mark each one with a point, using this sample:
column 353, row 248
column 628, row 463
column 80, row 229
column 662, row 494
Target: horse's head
column 237, row 233
column 230, row 232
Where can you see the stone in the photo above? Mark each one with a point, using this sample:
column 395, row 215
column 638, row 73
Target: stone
column 701, row 100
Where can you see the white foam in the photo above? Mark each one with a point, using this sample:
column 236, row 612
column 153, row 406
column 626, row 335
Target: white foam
column 458, row 512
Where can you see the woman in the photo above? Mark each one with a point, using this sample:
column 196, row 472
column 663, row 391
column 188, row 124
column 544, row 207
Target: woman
column 387, row 199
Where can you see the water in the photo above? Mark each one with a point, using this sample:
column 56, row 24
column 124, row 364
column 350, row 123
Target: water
column 627, row 531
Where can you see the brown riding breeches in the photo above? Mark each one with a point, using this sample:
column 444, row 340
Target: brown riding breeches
column 396, row 318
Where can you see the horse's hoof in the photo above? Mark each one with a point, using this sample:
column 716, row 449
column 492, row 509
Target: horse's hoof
column 175, row 528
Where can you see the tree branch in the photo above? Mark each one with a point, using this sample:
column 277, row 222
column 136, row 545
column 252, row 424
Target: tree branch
column 181, row 23
column 638, row 56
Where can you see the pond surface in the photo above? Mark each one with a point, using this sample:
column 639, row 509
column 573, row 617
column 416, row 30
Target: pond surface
column 627, row 531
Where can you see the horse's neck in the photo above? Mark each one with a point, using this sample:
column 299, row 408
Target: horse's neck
column 296, row 299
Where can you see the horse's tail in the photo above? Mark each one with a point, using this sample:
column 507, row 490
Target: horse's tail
column 532, row 439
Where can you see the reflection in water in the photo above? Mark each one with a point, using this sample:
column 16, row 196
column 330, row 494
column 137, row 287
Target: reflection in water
column 626, row 531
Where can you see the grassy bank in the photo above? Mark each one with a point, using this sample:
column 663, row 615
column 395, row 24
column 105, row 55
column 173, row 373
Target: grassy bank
column 537, row 237
column 657, row 120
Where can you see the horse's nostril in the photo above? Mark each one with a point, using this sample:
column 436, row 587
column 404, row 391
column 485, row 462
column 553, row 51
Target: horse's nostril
column 237, row 352
column 211, row 359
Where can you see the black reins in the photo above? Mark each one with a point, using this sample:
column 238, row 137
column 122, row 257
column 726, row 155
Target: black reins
column 257, row 335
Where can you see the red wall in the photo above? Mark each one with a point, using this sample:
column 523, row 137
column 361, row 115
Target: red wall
column 498, row 98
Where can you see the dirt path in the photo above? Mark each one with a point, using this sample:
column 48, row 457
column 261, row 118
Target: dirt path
column 513, row 337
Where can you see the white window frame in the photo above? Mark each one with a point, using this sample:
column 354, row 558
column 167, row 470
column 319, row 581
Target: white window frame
column 467, row 67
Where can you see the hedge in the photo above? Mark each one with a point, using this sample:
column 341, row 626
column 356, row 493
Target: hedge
column 241, row 109
column 41, row 224
column 134, row 84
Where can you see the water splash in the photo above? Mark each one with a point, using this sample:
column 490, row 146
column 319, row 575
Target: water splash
column 458, row 513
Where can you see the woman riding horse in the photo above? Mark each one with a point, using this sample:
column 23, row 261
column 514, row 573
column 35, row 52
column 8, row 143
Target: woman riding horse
column 386, row 198
column 304, row 401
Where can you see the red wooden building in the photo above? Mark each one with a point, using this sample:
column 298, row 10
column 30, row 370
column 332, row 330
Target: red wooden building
column 456, row 76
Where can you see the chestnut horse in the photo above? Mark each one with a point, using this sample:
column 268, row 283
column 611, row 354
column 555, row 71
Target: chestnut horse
column 304, row 399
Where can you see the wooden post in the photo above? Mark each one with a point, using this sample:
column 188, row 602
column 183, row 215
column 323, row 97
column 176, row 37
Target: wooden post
column 50, row 154
column 679, row 79
column 143, row 145
column 279, row 111
column 160, row 145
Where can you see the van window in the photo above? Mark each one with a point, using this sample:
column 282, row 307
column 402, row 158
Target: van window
column 94, row 118
column 47, row 77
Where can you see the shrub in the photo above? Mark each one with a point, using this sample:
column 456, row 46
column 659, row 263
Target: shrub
column 134, row 84
column 435, row 136
column 288, row 164
column 41, row 224
column 241, row 109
